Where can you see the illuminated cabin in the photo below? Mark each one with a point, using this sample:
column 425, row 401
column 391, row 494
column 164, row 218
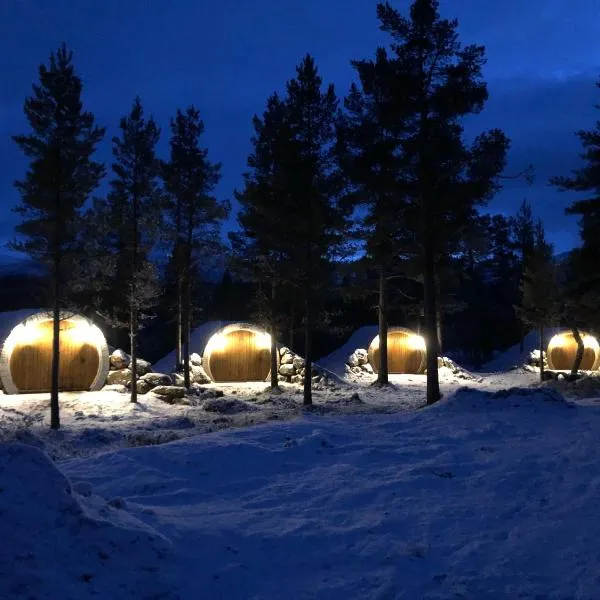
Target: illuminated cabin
column 238, row 352
column 562, row 350
column 406, row 351
column 26, row 356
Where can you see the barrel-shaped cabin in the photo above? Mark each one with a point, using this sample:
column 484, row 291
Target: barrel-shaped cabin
column 406, row 351
column 238, row 352
column 562, row 350
column 26, row 356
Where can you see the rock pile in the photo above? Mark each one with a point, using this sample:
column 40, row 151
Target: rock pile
column 168, row 387
column 291, row 369
column 532, row 362
column 358, row 362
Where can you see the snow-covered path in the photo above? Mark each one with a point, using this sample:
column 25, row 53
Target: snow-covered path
column 482, row 496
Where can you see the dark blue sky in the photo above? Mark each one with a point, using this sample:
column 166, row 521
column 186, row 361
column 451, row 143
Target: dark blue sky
column 227, row 56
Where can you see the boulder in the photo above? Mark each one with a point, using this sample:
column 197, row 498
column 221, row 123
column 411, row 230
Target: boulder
column 122, row 376
column 195, row 359
column 287, row 358
column 352, row 360
column 198, row 374
column 155, row 379
column 119, row 359
column 143, row 387
column 297, row 379
column 142, row 366
column 298, row 363
column 170, row 391
column 362, row 356
column 177, row 378
column 367, row 368
column 287, row 370
column 283, row 350
column 117, row 387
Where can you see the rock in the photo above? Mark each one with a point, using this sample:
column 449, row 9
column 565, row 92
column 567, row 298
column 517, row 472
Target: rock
column 367, row 368
column 287, row 370
column 281, row 377
column 316, row 378
column 177, row 379
column 357, row 370
column 283, row 350
column 296, row 379
column 298, row 363
column 170, row 391
column 287, row 358
column 115, row 387
column 143, row 366
column 198, row 375
column 352, row 360
column 143, row 387
column 119, row 359
column 196, row 359
column 155, row 379
column 122, row 376
column 362, row 356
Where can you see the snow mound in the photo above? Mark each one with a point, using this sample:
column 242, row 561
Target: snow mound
column 470, row 398
column 513, row 357
column 585, row 387
column 58, row 544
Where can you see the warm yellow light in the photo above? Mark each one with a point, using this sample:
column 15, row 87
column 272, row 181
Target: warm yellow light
column 416, row 342
column 217, row 343
column 263, row 341
column 27, row 334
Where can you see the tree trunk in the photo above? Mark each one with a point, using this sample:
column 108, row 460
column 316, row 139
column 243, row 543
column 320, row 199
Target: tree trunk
column 382, row 375
column 54, row 407
column 187, row 306
column 439, row 329
column 274, row 372
column 178, row 347
column 580, row 351
column 133, row 312
column 430, row 323
column 542, row 346
column 307, row 351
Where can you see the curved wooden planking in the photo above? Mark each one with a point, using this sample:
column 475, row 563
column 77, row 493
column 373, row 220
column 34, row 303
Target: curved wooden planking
column 402, row 356
column 562, row 350
column 31, row 359
column 240, row 358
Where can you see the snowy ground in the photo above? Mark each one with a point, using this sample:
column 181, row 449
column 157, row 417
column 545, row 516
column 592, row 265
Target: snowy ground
column 485, row 495
column 106, row 420
column 369, row 495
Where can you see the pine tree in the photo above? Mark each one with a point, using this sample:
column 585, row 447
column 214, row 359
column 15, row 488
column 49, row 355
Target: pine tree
column 523, row 226
column 260, row 253
column 436, row 82
column 584, row 279
column 131, row 213
column 540, row 304
column 369, row 142
column 313, row 185
column 194, row 215
column 60, row 179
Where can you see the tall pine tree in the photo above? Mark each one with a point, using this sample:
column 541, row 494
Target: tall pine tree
column 194, row 215
column 316, row 223
column 62, row 174
column 438, row 81
column 131, row 213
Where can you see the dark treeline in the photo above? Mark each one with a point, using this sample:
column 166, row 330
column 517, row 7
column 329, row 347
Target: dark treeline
column 355, row 208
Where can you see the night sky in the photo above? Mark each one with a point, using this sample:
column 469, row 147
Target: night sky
column 227, row 56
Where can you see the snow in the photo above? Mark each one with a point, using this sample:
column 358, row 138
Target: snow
column 198, row 340
column 336, row 361
column 244, row 493
column 485, row 495
column 513, row 357
column 57, row 543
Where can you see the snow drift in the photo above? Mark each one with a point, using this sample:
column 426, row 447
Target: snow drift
column 60, row 544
